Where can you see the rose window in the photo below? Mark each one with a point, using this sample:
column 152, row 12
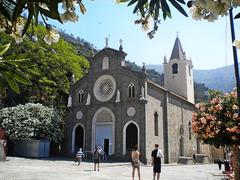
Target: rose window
column 104, row 88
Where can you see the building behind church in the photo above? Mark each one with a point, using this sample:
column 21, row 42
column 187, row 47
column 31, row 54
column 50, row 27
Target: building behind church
column 116, row 108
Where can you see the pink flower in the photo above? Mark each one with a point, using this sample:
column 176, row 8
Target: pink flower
column 217, row 131
column 234, row 94
column 211, row 117
column 194, row 116
column 235, row 115
column 197, row 105
column 202, row 108
column 234, row 129
column 215, row 100
column 234, row 107
column 234, row 137
column 226, row 95
column 203, row 120
column 218, row 107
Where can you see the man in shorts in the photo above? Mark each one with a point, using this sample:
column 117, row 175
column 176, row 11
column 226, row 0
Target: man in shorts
column 156, row 161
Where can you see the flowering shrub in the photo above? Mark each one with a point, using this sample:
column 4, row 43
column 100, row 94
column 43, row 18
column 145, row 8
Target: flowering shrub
column 31, row 121
column 217, row 121
column 211, row 9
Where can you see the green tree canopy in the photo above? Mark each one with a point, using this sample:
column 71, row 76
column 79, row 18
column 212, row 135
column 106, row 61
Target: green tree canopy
column 49, row 69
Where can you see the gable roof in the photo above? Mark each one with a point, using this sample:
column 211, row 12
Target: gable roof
column 177, row 52
column 122, row 53
column 170, row 92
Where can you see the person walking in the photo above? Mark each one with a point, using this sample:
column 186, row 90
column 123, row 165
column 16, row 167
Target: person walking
column 156, row 161
column 79, row 156
column 220, row 161
column 96, row 157
column 135, row 162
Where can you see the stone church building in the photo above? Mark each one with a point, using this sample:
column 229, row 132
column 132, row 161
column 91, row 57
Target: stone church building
column 116, row 108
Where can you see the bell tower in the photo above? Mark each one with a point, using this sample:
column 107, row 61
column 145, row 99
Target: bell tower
column 178, row 73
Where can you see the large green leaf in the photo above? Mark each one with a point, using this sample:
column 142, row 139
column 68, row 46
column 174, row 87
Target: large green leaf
column 53, row 8
column 36, row 13
column 18, row 9
column 29, row 19
column 152, row 4
column 46, row 1
column 123, row 1
column 18, row 58
column 237, row 16
column 178, row 7
column 132, row 2
column 181, row 1
column 156, row 13
column 139, row 6
column 5, row 12
column 165, row 9
column 18, row 76
column 11, row 82
column 3, row 67
column 4, row 48
column 50, row 14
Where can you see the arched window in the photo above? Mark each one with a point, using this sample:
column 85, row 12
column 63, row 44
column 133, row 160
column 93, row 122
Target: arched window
column 190, row 130
column 156, row 124
column 131, row 90
column 80, row 96
column 175, row 68
column 189, row 70
column 105, row 64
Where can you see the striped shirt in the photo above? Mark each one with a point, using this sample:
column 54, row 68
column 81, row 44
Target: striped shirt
column 80, row 154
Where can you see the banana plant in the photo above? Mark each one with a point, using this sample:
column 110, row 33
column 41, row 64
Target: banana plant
column 9, row 70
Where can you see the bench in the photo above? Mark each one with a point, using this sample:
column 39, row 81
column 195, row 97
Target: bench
column 185, row 160
column 202, row 158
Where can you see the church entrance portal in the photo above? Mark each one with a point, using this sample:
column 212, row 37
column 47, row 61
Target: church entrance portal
column 104, row 137
column 131, row 137
column 106, row 146
column 78, row 138
column 103, row 130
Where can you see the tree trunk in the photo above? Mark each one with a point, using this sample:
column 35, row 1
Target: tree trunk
column 236, row 162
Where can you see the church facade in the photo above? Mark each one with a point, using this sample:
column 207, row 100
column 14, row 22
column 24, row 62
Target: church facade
column 116, row 108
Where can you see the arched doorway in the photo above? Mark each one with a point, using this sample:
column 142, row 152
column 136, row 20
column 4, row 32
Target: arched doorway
column 130, row 136
column 103, row 132
column 77, row 138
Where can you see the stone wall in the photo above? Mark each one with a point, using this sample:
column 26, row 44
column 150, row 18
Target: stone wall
column 155, row 103
column 181, row 139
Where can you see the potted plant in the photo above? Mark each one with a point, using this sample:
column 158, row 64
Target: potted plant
column 31, row 127
column 217, row 122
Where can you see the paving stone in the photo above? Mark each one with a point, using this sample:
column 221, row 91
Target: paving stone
column 62, row 169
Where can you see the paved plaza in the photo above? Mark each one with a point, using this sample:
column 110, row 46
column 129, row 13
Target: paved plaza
column 62, row 169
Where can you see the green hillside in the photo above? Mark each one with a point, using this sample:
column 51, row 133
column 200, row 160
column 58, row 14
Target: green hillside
column 49, row 68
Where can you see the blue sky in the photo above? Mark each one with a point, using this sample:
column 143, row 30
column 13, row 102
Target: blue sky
column 208, row 44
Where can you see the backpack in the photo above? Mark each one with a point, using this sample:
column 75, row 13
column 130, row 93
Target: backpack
column 159, row 154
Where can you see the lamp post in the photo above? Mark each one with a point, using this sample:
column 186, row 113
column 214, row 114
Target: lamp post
column 235, row 58
column 236, row 68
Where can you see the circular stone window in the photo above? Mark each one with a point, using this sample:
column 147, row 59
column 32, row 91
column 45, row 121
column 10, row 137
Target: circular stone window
column 104, row 88
column 79, row 115
column 131, row 111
